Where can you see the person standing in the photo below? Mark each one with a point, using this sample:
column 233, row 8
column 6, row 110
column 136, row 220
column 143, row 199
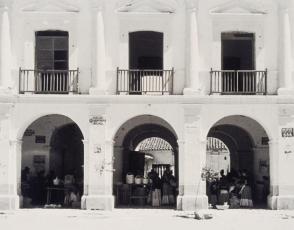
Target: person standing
column 223, row 196
column 167, row 188
column 246, row 195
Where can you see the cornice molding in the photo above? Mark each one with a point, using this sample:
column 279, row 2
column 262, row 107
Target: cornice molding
column 62, row 6
column 148, row 6
column 239, row 7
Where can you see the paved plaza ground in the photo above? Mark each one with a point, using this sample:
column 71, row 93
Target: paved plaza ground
column 141, row 219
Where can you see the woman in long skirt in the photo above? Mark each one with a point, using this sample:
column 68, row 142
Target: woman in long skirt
column 246, row 196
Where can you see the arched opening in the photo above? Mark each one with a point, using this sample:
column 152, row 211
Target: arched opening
column 217, row 155
column 245, row 169
column 146, row 164
column 52, row 162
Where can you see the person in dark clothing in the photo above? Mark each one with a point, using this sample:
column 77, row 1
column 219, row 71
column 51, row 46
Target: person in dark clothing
column 25, row 182
column 155, row 188
column 49, row 178
column 39, row 189
column 213, row 189
column 25, row 174
column 223, row 196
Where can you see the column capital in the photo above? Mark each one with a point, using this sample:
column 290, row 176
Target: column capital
column 181, row 141
column 273, row 141
column 85, row 141
column 4, row 8
column 98, row 9
column 192, row 10
column 97, row 5
column 109, row 141
column 192, row 5
column 15, row 141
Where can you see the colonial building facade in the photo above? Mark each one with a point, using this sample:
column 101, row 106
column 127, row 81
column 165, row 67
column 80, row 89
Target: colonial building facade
column 84, row 82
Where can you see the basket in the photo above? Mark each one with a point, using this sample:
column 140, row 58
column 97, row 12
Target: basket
column 222, row 207
column 145, row 181
column 138, row 180
column 130, row 179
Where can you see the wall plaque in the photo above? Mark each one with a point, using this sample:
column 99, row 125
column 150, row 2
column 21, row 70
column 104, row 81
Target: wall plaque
column 40, row 139
column 287, row 132
column 97, row 120
column 29, row 132
column 264, row 140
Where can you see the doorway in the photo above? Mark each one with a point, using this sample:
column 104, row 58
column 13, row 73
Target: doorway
column 52, row 164
column 145, row 57
column 146, row 163
column 237, row 147
column 51, row 62
column 238, row 60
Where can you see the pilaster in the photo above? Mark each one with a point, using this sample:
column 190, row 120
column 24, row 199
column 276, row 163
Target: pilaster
column 193, row 82
column 98, row 167
column 192, row 160
column 286, row 82
column 5, row 49
column 100, row 54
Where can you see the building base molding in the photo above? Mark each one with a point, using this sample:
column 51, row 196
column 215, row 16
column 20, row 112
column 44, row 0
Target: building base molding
column 281, row 202
column 6, row 91
column 191, row 91
column 98, row 202
column 9, row 202
column 286, row 91
column 192, row 202
column 97, row 91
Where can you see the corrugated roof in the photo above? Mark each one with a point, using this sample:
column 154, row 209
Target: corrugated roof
column 215, row 145
column 154, row 144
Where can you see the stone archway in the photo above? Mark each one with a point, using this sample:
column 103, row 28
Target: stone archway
column 128, row 138
column 249, row 153
column 52, row 147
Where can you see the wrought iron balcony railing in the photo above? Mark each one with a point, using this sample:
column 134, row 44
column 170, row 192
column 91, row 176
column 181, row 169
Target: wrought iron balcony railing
column 147, row 81
column 247, row 82
column 48, row 81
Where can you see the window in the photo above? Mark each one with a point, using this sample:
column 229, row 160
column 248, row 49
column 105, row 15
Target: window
column 52, row 50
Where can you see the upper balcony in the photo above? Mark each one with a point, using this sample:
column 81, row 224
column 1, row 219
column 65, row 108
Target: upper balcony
column 48, row 81
column 52, row 74
column 238, row 82
column 140, row 81
column 145, row 72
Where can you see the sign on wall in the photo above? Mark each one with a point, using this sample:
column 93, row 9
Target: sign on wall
column 97, row 120
column 39, row 162
column 29, row 132
column 287, row 132
column 40, row 139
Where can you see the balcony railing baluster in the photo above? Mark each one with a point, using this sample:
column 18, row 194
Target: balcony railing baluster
column 238, row 82
column 144, row 81
column 48, row 81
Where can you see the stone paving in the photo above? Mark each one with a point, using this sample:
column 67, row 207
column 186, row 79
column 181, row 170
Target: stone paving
column 141, row 219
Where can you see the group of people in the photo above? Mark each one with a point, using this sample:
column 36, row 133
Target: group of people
column 35, row 188
column 162, row 190
column 232, row 189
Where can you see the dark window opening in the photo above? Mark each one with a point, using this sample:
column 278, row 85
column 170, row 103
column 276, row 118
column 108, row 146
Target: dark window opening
column 145, row 53
column 52, row 61
column 238, row 56
column 146, row 50
column 51, row 49
column 238, row 51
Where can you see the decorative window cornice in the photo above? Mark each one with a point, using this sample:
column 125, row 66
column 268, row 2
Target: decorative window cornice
column 148, row 6
column 50, row 6
column 239, row 7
